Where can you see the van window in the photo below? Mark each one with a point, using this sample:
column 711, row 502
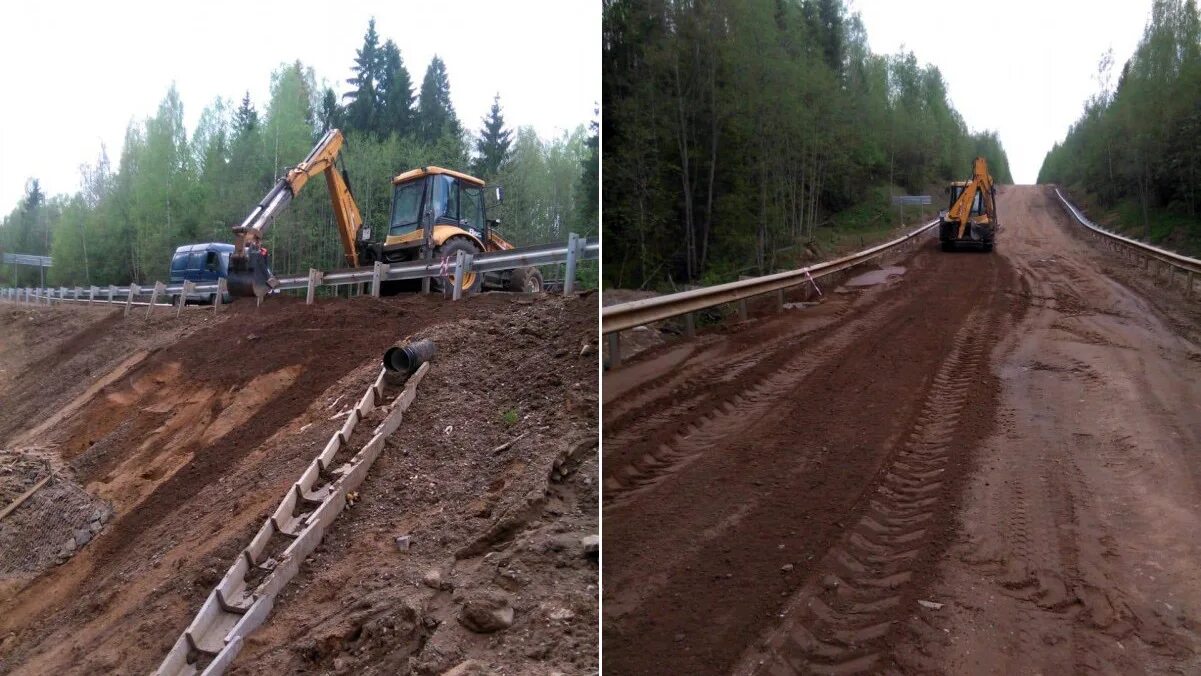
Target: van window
column 196, row 260
column 211, row 262
column 179, row 262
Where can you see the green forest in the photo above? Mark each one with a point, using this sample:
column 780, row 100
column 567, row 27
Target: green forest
column 1135, row 152
column 169, row 187
column 734, row 131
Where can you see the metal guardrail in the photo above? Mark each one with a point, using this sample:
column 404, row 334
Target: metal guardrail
column 1190, row 266
column 575, row 249
column 617, row 318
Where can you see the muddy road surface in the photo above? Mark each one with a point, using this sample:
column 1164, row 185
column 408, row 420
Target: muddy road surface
column 985, row 464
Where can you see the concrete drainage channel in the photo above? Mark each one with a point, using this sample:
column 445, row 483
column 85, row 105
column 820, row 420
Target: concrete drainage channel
column 243, row 599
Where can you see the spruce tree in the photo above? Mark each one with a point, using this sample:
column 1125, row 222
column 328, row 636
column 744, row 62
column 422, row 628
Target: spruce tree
column 361, row 111
column 331, row 113
column 493, row 142
column 396, row 94
column 246, row 119
column 435, row 114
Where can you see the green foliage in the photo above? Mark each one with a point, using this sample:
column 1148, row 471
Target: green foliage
column 168, row 189
column 1140, row 142
column 509, row 417
column 493, row 143
column 734, row 131
column 436, row 116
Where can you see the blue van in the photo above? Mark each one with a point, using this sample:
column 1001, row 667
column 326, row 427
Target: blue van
column 201, row 264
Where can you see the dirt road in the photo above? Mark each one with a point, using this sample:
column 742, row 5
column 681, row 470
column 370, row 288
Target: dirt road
column 988, row 464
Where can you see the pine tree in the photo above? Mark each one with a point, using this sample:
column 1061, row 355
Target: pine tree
column 361, row 111
column 396, row 113
column 493, row 142
column 435, row 114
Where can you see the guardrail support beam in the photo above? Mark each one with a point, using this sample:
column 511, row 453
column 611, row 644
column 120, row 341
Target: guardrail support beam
column 690, row 325
column 314, row 279
column 159, row 287
column 569, row 276
column 377, row 272
column 614, row 349
column 133, row 291
column 188, row 286
column 462, row 269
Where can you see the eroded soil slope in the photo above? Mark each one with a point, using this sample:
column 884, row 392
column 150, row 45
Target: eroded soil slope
column 192, row 444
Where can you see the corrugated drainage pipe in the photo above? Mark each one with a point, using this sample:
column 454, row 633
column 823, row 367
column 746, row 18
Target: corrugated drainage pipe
column 408, row 358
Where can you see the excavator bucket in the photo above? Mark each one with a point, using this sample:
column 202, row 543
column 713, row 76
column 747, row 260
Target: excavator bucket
column 249, row 275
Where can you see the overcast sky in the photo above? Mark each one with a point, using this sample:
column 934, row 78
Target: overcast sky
column 1022, row 67
column 76, row 73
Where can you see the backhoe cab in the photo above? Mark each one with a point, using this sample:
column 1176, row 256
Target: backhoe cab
column 454, row 204
column 971, row 217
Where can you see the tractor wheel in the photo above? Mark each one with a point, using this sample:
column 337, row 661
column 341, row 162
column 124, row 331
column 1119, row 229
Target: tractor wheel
column 450, row 250
column 525, row 280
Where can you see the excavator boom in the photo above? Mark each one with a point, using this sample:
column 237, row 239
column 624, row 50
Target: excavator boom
column 972, row 216
column 248, row 271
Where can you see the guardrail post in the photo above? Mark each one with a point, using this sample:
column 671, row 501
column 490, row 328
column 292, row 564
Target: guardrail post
column 572, row 252
column 78, row 292
column 377, row 271
column 779, row 300
column 159, row 287
column 91, row 295
column 690, row 325
column 188, row 286
column 132, row 291
column 112, row 291
column 743, row 313
column 314, row 279
column 462, row 268
column 614, row 349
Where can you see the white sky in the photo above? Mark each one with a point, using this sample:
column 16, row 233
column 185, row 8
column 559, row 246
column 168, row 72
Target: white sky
column 1021, row 67
column 76, row 73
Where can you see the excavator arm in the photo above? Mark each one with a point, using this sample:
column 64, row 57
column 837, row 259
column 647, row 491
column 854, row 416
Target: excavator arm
column 981, row 183
column 248, row 273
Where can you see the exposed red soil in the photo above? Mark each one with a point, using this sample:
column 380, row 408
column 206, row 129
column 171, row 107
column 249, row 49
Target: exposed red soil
column 194, row 444
column 780, row 495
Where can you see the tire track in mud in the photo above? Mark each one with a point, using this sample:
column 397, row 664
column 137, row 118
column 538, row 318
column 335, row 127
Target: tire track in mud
column 675, row 387
column 844, row 463
column 682, row 432
column 840, row 619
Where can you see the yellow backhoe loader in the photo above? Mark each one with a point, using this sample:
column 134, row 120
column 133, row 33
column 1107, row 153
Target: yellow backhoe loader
column 435, row 214
column 971, row 219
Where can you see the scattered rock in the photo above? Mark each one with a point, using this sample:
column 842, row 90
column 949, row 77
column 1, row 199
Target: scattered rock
column 787, row 568
column 830, row 582
column 486, row 612
column 403, row 542
column 432, row 579
column 591, row 545
column 561, row 614
column 95, row 527
column 69, row 546
column 82, row 537
column 468, row 668
column 930, row 604
column 341, row 665
column 585, row 349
